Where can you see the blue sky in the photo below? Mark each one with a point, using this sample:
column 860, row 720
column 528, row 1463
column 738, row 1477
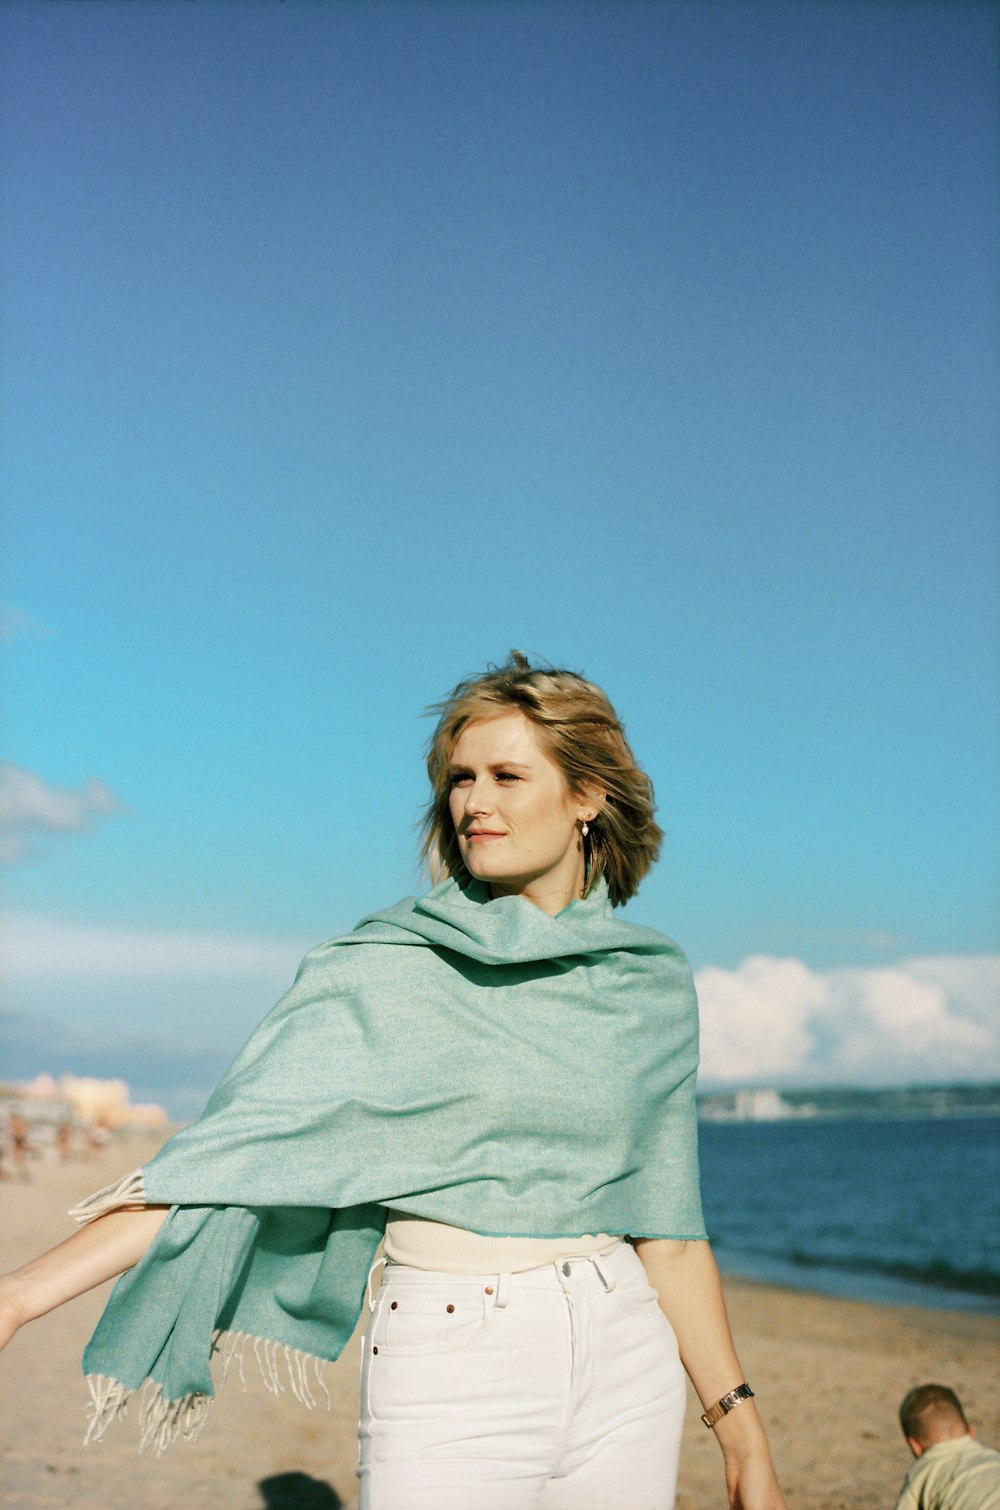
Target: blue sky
column 349, row 345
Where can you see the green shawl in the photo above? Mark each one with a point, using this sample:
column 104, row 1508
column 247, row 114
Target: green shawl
column 466, row 1060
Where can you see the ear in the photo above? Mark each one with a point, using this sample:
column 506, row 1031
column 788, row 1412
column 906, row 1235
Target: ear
column 916, row 1446
column 591, row 799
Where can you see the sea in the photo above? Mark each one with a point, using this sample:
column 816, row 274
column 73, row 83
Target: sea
column 903, row 1211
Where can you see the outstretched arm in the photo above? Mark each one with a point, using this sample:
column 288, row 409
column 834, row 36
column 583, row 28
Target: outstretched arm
column 685, row 1276
column 99, row 1251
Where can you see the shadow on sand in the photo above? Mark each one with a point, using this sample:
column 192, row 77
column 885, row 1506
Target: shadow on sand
column 297, row 1491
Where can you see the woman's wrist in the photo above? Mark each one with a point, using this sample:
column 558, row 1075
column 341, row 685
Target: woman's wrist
column 14, row 1311
column 741, row 1434
column 21, row 1299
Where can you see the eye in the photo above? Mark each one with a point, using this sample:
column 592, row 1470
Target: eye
column 459, row 778
column 506, row 776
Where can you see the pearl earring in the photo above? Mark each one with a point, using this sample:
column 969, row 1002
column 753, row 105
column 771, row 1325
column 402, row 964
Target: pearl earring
column 585, row 830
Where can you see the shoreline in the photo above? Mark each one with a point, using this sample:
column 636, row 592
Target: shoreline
column 829, row 1373
column 867, row 1286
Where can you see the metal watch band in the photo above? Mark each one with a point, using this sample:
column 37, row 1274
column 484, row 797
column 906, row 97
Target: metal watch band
column 727, row 1403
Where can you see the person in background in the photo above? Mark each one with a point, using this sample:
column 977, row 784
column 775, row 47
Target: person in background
column 19, row 1145
column 951, row 1470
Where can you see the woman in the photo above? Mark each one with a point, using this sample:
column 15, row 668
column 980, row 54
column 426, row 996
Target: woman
column 497, row 1077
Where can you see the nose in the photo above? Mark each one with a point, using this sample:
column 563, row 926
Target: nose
column 477, row 799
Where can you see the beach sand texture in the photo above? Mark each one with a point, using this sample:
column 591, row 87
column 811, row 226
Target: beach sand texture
column 829, row 1376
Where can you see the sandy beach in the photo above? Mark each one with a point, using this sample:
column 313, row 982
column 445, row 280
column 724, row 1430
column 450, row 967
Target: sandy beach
column 829, row 1376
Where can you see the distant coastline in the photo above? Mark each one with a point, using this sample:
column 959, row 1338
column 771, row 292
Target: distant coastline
column 771, row 1104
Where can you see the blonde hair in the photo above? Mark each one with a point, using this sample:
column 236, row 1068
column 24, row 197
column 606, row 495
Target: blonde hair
column 581, row 734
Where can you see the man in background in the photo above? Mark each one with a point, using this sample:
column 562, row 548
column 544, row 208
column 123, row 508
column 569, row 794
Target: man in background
column 951, row 1471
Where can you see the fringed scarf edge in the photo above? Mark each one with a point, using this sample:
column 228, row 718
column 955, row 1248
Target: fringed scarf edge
column 162, row 1422
column 127, row 1193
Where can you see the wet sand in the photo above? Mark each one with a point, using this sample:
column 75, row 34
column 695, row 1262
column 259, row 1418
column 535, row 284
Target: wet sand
column 829, row 1376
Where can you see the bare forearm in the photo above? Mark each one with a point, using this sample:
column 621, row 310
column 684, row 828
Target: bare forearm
column 99, row 1251
column 685, row 1276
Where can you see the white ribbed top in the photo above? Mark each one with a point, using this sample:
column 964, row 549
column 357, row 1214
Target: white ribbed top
column 453, row 1250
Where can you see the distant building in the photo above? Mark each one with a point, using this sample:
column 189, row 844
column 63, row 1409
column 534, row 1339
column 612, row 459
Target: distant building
column 750, row 1105
column 90, row 1102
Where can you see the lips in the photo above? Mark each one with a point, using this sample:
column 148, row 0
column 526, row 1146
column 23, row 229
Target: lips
column 478, row 835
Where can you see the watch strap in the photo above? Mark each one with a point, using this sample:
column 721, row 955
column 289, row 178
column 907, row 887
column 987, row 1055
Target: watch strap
column 727, row 1403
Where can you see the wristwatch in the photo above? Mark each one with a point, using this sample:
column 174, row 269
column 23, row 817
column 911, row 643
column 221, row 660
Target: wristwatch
column 727, row 1403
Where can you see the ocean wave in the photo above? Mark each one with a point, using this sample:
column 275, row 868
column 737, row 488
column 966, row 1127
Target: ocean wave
column 939, row 1274
column 828, row 1207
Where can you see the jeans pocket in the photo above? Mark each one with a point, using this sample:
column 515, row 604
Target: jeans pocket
column 416, row 1321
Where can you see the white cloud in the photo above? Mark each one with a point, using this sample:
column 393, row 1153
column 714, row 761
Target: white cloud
column 925, row 1019
column 757, row 1016
column 38, row 948
column 157, row 1065
column 165, row 1010
column 971, row 981
column 30, row 806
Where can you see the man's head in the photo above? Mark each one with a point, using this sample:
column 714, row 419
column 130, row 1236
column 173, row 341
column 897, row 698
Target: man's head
column 932, row 1413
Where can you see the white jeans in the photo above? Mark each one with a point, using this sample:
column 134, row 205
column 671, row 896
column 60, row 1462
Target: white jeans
column 556, row 1389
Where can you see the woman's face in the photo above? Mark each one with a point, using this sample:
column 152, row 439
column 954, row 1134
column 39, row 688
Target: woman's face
column 517, row 822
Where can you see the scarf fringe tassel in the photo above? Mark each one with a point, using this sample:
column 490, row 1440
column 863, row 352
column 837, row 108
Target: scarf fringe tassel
column 162, row 1422
column 127, row 1192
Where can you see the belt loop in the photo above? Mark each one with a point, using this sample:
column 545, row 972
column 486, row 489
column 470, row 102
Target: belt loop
column 607, row 1280
column 368, row 1283
column 503, row 1291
